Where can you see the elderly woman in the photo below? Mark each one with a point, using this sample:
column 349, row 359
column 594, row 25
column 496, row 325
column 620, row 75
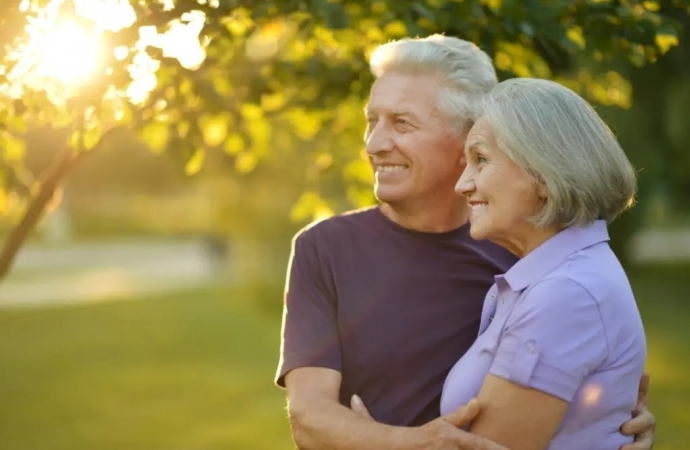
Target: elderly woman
column 561, row 346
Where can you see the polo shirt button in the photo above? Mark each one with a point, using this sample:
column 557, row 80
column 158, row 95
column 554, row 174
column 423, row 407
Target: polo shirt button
column 493, row 296
column 530, row 347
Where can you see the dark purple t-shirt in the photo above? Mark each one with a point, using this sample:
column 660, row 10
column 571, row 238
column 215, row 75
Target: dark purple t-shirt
column 390, row 308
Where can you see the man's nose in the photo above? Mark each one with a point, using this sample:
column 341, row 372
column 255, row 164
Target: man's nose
column 378, row 140
column 465, row 184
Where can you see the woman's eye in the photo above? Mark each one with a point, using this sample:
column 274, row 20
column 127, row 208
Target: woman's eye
column 481, row 159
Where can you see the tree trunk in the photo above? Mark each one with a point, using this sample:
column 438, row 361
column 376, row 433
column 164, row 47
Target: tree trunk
column 48, row 183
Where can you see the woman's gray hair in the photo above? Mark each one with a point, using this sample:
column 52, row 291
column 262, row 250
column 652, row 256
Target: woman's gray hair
column 558, row 138
column 465, row 73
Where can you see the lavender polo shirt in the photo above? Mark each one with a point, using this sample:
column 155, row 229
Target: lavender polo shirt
column 562, row 320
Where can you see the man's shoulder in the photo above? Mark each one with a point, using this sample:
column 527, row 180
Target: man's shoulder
column 494, row 253
column 339, row 224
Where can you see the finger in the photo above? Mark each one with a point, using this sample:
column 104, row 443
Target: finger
column 645, row 444
column 463, row 415
column 643, row 390
column 643, row 423
column 357, row 405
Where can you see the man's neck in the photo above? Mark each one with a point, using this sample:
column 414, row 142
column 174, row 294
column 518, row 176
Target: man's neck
column 430, row 217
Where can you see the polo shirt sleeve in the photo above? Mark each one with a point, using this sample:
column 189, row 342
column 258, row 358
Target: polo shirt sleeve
column 553, row 339
column 309, row 330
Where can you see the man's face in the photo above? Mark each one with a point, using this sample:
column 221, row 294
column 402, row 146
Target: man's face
column 415, row 151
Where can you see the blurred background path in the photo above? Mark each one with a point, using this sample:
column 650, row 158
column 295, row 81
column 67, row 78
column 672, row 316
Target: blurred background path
column 104, row 271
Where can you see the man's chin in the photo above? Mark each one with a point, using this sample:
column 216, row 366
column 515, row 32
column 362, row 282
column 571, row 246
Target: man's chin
column 389, row 195
column 388, row 199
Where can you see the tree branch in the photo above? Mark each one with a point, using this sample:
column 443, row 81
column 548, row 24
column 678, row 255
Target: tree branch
column 48, row 183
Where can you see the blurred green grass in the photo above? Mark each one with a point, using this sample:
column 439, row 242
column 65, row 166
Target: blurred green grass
column 663, row 295
column 189, row 372
column 195, row 371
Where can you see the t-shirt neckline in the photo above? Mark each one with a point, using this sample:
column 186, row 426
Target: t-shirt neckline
column 430, row 235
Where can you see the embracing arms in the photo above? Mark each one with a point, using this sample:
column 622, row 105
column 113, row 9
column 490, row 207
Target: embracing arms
column 319, row 421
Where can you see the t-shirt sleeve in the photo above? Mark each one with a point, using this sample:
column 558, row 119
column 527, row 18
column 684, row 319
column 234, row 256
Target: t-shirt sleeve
column 309, row 331
column 553, row 339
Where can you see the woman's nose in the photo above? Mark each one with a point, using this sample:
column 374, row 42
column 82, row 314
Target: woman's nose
column 465, row 184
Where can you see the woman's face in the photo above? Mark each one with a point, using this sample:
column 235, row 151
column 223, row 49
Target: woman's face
column 501, row 195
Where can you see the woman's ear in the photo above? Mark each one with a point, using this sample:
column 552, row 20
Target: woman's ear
column 541, row 189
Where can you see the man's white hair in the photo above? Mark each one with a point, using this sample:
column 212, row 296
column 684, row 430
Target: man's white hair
column 465, row 73
column 558, row 138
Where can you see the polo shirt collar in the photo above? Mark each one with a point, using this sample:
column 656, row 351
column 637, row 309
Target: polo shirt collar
column 547, row 256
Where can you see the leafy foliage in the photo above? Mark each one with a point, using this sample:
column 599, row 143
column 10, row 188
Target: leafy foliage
column 262, row 81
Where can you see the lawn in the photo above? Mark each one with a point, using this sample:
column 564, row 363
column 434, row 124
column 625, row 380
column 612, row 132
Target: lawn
column 195, row 371
column 190, row 372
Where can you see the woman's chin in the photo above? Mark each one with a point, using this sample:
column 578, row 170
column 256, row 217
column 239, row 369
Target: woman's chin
column 477, row 232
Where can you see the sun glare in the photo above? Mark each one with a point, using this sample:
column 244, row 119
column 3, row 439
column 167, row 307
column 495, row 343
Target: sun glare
column 69, row 53
column 62, row 54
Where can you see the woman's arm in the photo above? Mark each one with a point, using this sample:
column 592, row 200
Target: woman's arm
column 517, row 417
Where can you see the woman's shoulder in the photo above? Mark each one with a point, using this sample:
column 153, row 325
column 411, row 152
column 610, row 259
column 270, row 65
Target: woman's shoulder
column 599, row 271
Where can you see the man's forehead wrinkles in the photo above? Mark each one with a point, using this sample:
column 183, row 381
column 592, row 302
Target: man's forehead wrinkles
column 390, row 110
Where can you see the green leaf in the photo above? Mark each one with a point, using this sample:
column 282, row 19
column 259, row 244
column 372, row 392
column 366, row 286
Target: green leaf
column 665, row 41
column 195, row 163
column 358, row 170
column 310, row 206
column 13, row 148
column 494, row 5
column 260, row 133
column 234, row 144
column 92, row 137
column 251, row 111
column 306, row 124
column 214, row 128
column 245, row 162
column 155, row 135
column 18, row 124
column 576, row 36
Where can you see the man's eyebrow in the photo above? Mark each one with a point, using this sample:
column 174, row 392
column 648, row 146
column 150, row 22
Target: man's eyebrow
column 393, row 112
column 405, row 113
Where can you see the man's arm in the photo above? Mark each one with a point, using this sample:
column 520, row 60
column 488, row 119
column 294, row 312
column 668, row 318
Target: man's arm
column 319, row 421
column 643, row 424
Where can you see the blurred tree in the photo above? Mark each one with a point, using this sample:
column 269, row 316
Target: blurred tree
column 270, row 83
column 655, row 135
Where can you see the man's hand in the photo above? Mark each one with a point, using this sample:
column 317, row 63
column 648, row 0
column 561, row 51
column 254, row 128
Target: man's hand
column 643, row 424
column 444, row 433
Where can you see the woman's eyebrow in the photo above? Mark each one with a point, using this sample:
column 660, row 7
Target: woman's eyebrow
column 474, row 146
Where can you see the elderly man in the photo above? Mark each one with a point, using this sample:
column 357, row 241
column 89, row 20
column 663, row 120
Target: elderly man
column 381, row 302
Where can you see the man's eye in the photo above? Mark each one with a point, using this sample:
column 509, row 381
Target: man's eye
column 401, row 121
